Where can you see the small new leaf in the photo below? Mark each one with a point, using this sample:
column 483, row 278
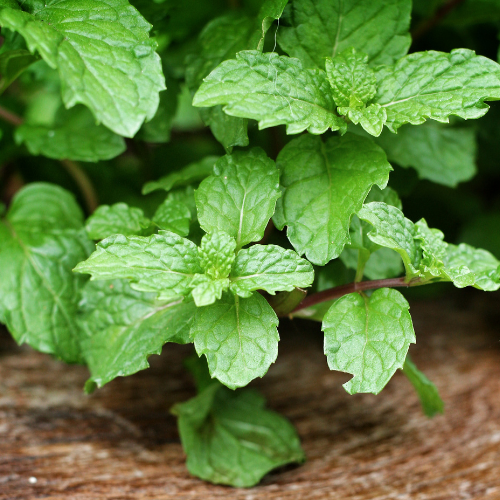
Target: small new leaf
column 275, row 90
column 368, row 337
column 163, row 263
column 270, row 268
column 318, row 202
column 217, row 254
column 116, row 219
column 230, row 438
column 431, row 401
column 353, row 81
column 240, row 196
column 238, row 336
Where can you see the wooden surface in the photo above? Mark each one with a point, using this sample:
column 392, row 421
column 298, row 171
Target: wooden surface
column 121, row 442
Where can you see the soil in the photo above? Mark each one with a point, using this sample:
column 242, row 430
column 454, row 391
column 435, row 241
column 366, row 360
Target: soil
column 121, row 442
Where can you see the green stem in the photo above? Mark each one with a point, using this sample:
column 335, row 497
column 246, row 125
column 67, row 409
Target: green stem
column 340, row 291
column 362, row 260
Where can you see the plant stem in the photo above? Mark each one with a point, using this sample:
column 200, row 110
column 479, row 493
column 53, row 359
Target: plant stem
column 427, row 24
column 83, row 182
column 73, row 168
column 10, row 117
column 340, row 291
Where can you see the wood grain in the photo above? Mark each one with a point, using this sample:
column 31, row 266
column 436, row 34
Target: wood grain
column 121, row 443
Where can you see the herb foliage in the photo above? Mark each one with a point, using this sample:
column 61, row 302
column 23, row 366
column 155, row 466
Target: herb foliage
column 205, row 257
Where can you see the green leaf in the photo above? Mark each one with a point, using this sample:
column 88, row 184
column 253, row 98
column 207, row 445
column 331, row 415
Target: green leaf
column 240, row 196
column 41, row 240
column 393, row 230
column 207, row 290
column 440, row 154
column 103, row 53
column 123, row 327
column 12, row 64
column 163, row 263
column 190, row 174
column 365, row 256
column 217, row 254
column 324, row 28
column 424, row 252
column 173, row 215
column 222, row 39
column 368, row 337
column 74, row 135
column 230, row 438
column 274, row 90
column 116, row 219
column 353, row 81
column 432, row 403
column 318, row 202
column 480, row 262
column 238, row 336
column 158, row 129
column 437, row 85
column 270, row 11
column 372, row 118
column 270, row 268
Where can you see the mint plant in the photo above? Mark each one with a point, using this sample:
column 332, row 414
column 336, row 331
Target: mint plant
column 234, row 231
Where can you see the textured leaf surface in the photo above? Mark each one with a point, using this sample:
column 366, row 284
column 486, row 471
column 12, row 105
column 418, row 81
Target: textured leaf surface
column 323, row 28
column 393, row 230
column 221, row 39
column 230, row 438
column 103, row 52
column 318, row 202
column 123, row 327
column 482, row 263
column 425, row 253
column 353, row 81
column 190, row 174
column 440, row 154
column 116, row 219
column 208, row 290
column 217, row 254
column 274, row 90
column 270, row 268
column 428, row 394
column 164, row 263
column 41, row 240
column 240, row 196
column 74, row 136
column 437, row 85
column 368, row 337
column 238, row 336
column 173, row 215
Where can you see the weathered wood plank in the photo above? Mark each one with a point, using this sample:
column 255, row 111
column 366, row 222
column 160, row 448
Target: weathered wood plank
column 121, row 443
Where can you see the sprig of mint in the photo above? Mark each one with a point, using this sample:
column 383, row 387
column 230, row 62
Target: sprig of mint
column 204, row 257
